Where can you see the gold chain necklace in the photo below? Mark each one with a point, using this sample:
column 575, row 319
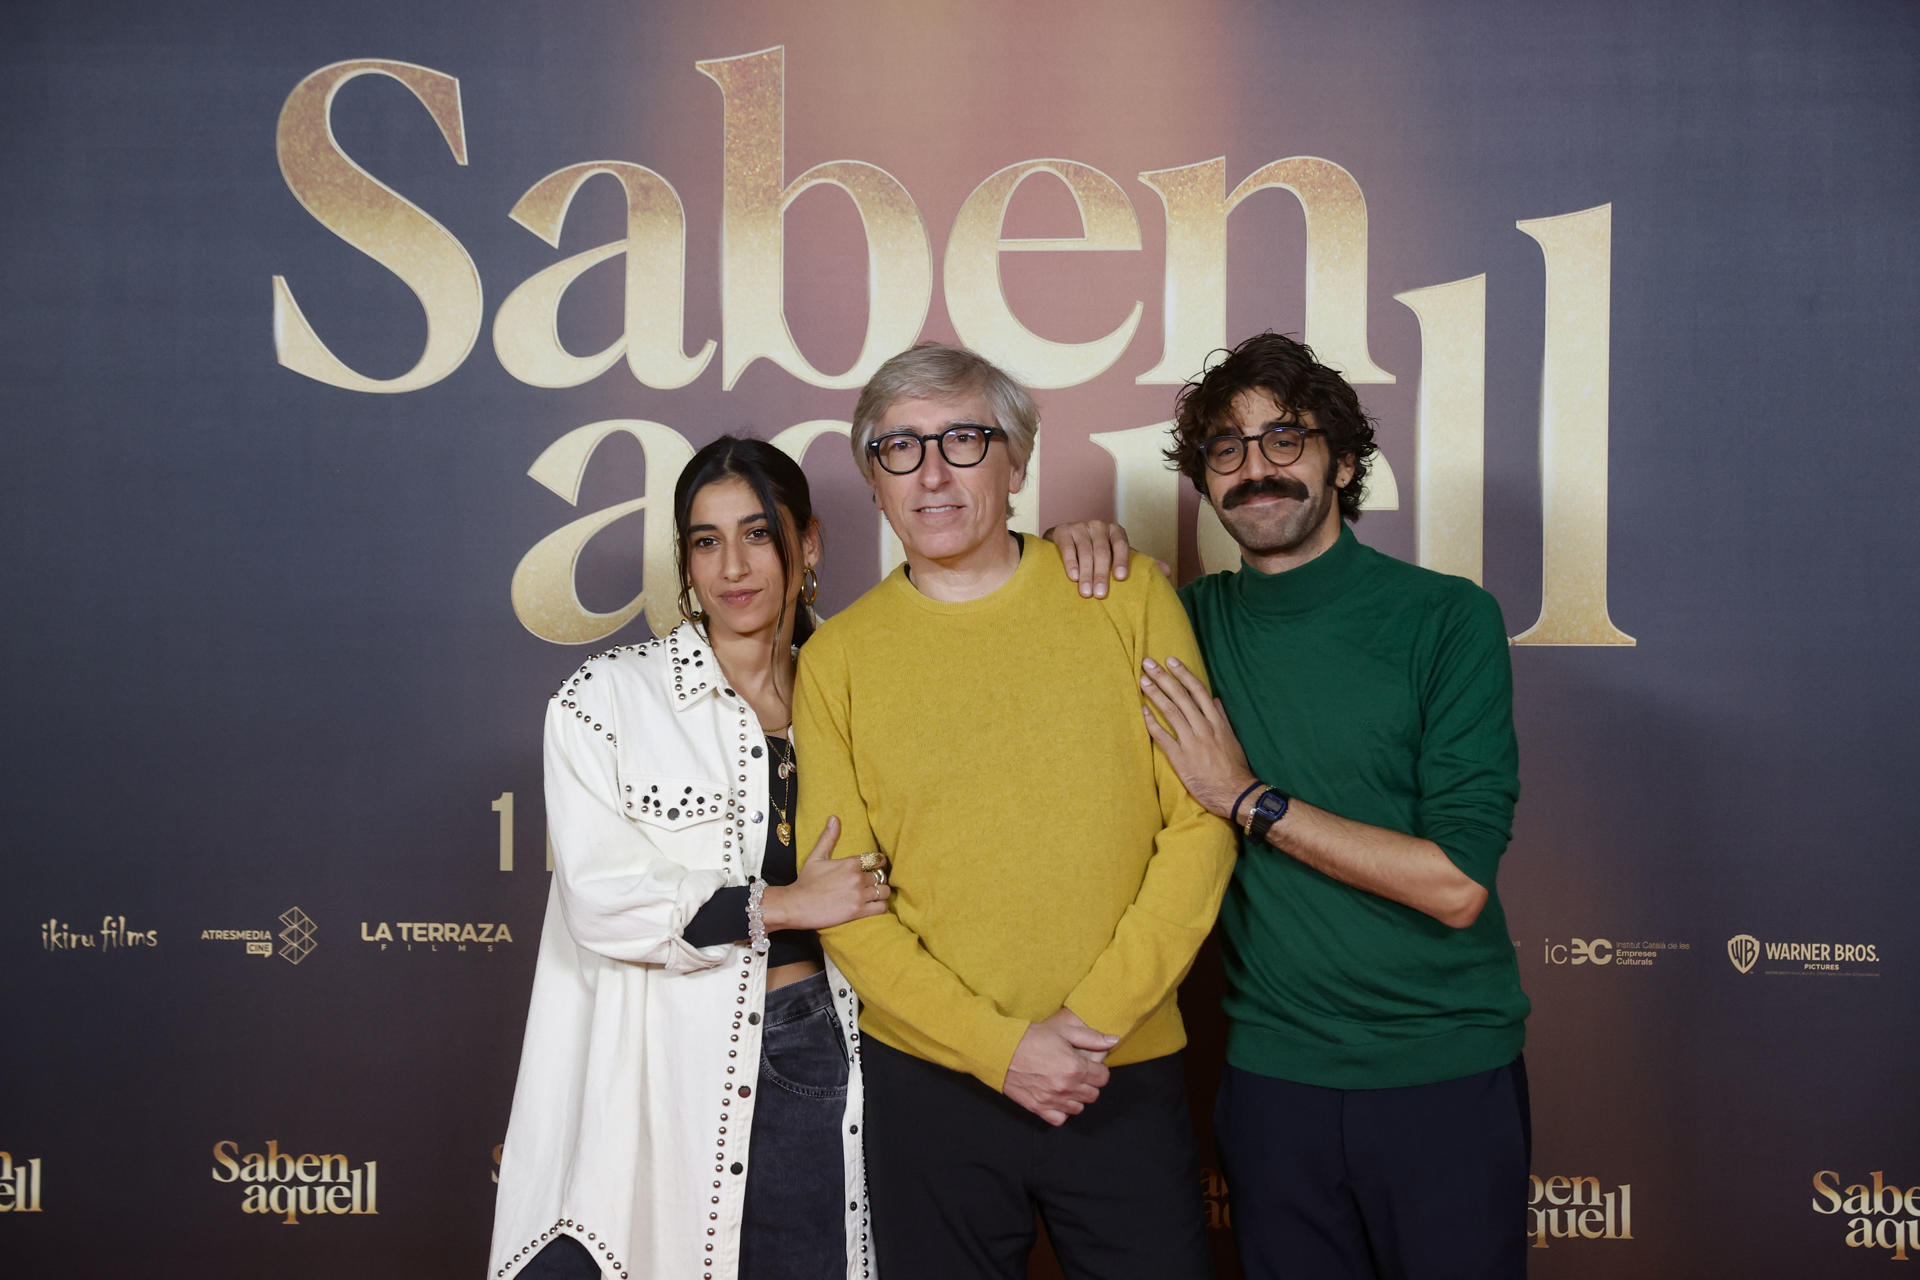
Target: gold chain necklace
column 788, row 768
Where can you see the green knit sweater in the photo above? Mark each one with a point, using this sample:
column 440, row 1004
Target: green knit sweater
column 1381, row 692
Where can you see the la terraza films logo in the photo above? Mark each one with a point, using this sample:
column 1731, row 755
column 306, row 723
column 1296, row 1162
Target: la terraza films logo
column 1879, row 1215
column 289, row 1186
column 19, row 1184
column 435, row 935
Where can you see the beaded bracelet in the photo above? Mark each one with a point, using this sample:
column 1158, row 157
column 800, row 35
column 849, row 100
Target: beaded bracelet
column 1233, row 814
column 756, row 923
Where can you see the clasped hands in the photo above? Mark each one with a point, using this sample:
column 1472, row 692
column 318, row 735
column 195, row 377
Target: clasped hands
column 1059, row 1067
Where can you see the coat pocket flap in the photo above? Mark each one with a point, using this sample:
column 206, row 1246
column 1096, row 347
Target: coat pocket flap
column 663, row 800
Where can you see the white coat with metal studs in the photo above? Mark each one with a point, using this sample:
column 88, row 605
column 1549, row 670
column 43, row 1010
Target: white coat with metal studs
column 634, row 1103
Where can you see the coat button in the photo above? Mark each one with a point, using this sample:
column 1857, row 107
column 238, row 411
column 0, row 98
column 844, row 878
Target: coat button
column 735, row 1167
column 746, row 1091
column 754, row 1018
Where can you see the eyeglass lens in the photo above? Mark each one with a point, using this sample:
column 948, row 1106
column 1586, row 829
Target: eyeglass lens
column 902, row 452
column 1281, row 445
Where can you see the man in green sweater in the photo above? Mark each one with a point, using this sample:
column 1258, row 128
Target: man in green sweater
column 1373, row 1118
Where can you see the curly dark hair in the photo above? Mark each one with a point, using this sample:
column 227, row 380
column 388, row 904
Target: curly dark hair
column 1287, row 371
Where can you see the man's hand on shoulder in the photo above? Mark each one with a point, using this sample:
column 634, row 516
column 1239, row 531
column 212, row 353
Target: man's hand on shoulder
column 1059, row 1067
column 1095, row 553
column 1198, row 739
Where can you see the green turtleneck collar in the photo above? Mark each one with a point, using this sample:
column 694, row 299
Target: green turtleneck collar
column 1305, row 587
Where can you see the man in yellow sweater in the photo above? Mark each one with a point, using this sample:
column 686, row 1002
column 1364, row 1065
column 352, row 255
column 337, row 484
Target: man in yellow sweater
column 975, row 720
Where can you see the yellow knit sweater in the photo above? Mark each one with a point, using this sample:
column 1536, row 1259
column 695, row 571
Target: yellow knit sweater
column 1044, row 851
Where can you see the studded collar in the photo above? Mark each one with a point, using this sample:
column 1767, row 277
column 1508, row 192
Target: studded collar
column 696, row 672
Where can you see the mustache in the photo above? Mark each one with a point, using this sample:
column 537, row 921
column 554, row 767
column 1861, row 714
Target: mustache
column 1267, row 487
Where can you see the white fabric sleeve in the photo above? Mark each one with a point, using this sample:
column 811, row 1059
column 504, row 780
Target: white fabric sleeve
column 621, row 894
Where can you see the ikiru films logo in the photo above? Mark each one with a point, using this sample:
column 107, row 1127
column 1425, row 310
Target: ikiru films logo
column 57, row 935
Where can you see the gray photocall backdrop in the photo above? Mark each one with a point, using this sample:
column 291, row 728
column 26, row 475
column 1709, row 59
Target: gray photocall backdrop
column 1631, row 287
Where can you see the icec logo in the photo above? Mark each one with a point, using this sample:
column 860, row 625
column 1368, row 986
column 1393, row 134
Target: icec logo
column 1578, row 951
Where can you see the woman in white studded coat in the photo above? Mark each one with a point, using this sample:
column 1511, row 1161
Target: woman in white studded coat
column 688, row 1104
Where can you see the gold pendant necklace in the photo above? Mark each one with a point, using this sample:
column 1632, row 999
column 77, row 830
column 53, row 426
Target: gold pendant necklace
column 788, row 768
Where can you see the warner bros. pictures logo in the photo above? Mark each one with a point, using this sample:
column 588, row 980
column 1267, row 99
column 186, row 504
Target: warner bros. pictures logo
column 1817, row 957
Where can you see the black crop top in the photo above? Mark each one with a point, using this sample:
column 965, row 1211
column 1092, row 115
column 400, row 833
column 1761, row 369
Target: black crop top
column 723, row 918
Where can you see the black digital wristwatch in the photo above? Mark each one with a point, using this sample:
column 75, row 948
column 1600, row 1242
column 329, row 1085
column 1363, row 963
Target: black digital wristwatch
column 1267, row 810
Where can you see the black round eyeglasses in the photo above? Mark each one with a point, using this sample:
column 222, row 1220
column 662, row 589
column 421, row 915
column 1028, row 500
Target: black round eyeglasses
column 1281, row 444
column 964, row 444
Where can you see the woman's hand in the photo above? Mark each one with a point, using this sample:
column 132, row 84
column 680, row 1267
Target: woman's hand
column 829, row 890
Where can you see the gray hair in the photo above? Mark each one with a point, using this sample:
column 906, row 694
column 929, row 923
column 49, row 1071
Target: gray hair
column 935, row 371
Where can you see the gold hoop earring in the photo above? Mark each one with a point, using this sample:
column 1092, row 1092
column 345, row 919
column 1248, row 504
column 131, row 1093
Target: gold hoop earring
column 689, row 610
column 809, row 588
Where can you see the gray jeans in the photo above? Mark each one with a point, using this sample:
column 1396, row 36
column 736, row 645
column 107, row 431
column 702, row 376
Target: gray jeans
column 795, row 1211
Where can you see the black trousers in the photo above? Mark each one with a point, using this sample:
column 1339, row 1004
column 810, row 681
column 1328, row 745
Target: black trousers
column 1422, row 1183
column 955, row 1172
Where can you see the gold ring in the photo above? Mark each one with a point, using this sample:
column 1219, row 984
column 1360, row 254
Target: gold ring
column 879, row 877
column 870, row 861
